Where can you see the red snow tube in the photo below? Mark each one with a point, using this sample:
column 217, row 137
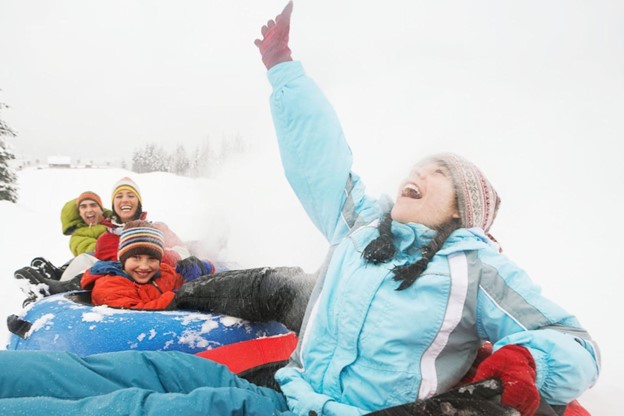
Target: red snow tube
column 245, row 355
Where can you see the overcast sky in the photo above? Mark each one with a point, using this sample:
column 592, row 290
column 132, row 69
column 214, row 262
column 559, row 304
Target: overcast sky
column 94, row 79
column 532, row 91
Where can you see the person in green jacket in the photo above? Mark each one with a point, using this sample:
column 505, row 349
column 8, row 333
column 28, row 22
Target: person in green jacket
column 81, row 219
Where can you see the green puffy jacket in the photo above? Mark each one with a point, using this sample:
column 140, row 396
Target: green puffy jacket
column 83, row 237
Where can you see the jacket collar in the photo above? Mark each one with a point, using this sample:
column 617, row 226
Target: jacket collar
column 407, row 235
column 411, row 235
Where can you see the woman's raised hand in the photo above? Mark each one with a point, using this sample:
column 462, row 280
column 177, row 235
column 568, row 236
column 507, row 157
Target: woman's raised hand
column 274, row 43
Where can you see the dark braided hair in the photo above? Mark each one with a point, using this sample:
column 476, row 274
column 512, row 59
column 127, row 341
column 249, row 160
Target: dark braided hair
column 382, row 249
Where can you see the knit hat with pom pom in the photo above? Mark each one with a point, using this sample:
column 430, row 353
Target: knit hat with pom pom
column 140, row 237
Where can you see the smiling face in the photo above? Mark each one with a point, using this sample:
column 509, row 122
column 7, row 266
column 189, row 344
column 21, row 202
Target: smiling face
column 90, row 212
column 141, row 267
column 125, row 204
column 427, row 196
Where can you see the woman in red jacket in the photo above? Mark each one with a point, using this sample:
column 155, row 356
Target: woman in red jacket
column 127, row 206
column 140, row 280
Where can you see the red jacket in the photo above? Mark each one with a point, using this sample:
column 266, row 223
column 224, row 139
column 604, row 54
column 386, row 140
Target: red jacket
column 122, row 292
column 107, row 244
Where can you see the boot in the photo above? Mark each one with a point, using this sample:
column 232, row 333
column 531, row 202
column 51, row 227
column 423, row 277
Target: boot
column 18, row 326
column 30, row 298
column 30, row 284
column 47, row 268
column 42, row 285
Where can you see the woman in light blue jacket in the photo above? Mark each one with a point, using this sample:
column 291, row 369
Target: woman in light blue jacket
column 408, row 294
column 411, row 289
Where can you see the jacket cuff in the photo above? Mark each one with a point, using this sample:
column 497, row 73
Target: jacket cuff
column 284, row 73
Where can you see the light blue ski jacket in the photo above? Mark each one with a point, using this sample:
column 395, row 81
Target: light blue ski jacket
column 366, row 346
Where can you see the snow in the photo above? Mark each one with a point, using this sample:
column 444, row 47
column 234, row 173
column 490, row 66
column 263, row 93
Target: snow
column 248, row 215
column 42, row 322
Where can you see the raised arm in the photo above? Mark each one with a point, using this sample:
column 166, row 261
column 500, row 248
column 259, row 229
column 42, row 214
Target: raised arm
column 316, row 157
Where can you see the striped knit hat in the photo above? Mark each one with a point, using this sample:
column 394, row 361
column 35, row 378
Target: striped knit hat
column 140, row 237
column 476, row 197
column 91, row 196
column 127, row 184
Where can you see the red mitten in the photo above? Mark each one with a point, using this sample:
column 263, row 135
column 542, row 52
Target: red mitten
column 514, row 366
column 574, row 408
column 274, row 45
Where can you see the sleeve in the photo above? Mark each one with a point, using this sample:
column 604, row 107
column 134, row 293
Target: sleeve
column 175, row 249
column 315, row 155
column 106, row 246
column 512, row 310
column 119, row 292
column 171, row 257
column 84, row 239
column 174, row 280
column 70, row 217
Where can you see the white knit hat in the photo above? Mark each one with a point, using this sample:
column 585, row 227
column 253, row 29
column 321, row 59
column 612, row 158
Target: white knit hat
column 127, row 184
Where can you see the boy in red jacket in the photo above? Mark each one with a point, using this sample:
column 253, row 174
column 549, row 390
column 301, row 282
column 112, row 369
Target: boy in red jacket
column 140, row 280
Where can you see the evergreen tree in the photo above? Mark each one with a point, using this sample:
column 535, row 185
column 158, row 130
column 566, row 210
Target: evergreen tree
column 8, row 179
column 204, row 160
column 152, row 158
column 232, row 146
column 180, row 164
column 138, row 161
column 194, row 163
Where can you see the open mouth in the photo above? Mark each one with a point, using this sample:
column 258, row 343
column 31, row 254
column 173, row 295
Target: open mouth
column 125, row 208
column 90, row 221
column 411, row 190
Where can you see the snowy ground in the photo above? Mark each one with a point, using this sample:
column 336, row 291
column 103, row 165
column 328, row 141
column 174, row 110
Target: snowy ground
column 249, row 215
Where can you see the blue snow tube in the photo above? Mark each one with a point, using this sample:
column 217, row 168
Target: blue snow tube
column 68, row 322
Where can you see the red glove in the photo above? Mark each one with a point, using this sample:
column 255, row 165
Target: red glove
column 274, row 45
column 574, row 408
column 514, row 366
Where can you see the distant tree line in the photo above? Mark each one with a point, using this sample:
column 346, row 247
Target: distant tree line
column 201, row 162
column 8, row 179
